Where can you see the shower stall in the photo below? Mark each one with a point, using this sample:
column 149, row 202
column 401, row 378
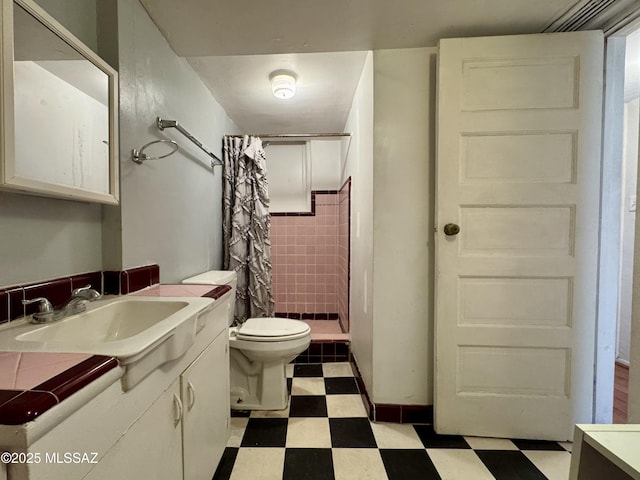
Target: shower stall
column 310, row 234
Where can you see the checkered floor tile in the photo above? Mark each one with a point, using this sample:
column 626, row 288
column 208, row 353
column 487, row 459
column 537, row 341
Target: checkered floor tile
column 325, row 434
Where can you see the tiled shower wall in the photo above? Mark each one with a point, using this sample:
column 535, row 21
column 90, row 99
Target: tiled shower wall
column 308, row 259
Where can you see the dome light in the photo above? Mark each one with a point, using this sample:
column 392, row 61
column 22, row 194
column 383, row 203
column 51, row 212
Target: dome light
column 283, row 84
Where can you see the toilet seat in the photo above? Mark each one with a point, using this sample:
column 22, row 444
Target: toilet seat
column 271, row 329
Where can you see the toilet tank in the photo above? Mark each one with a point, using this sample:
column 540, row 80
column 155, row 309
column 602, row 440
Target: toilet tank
column 214, row 277
column 218, row 277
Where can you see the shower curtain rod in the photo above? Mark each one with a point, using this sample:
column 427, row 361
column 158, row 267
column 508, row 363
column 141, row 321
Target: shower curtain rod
column 300, row 135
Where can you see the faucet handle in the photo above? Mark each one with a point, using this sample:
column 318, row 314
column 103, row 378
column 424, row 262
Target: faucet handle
column 44, row 304
column 85, row 293
column 76, row 291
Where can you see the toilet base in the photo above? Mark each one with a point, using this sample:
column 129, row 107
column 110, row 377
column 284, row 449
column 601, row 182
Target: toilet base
column 241, row 400
column 266, row 390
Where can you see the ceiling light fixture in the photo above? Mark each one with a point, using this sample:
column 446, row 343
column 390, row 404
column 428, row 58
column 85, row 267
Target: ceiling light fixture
column 283, row 84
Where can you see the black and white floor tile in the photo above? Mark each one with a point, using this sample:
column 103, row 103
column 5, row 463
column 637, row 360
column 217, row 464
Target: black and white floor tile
column 325, row 434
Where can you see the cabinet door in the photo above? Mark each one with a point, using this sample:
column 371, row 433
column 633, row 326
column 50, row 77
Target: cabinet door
column 151, row 448
column 205, row 396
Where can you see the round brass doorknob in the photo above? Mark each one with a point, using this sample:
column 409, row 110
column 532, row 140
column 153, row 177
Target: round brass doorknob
column 451, row 229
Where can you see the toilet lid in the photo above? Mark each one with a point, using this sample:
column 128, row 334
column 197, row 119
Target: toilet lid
column 272, row 329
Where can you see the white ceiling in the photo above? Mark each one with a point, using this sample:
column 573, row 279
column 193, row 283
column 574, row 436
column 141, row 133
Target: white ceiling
column 234, row 46
column 325, row 85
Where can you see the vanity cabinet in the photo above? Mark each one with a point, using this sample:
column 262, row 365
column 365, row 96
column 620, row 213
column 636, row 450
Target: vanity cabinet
column 172, row 425
column 151, row 448
column 205, row 411
column 184, row 432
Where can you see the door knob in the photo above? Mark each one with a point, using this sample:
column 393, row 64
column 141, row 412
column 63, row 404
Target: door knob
column 451, row 229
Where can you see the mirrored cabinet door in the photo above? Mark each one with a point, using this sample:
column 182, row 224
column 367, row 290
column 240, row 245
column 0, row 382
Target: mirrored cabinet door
column 59, row 114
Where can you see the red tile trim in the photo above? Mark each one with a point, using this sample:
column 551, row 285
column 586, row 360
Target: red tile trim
column 26, row 406
column 18, row 407
column 130, row 280
column 217, row 292
column 383, row 412
column 6, row 395
column 16, row 308
column 124, row 283
column 154, row 271
column 73, row 379
column 362, row 388
column 57, row 291
column 388, row 413
column 4, row 306
column 111, row 282
column 138, row 278
column 312, row 213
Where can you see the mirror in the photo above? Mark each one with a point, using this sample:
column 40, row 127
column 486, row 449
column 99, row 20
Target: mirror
column 59, row 110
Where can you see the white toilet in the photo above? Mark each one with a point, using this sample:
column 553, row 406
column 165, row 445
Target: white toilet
column 259, row 350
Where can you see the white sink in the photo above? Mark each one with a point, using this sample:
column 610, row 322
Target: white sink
column 109, row 323
column 141, row 332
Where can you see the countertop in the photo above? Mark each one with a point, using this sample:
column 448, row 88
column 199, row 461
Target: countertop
column 33, row 382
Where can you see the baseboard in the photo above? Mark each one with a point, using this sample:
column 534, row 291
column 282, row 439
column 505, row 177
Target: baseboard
column 384, row 412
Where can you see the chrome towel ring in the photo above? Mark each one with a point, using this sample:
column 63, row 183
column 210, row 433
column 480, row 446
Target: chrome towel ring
column 139, row 156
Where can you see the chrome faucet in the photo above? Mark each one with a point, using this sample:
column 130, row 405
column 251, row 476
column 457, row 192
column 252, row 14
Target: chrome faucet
column 76, row 304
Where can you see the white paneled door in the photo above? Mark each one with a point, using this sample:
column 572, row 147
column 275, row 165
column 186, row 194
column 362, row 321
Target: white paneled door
column 518, row 182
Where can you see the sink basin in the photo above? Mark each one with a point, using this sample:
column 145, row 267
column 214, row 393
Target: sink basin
column 141, row 332
column 110, row 323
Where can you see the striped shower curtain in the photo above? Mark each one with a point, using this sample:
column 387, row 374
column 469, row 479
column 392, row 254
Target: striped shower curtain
column 246, row 224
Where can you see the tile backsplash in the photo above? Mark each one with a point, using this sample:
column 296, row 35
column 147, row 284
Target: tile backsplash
column 132, row 280
column 58, row 290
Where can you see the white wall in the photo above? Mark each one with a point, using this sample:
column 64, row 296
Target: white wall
column 628, row 218
column 78, row 16
column 403, row 203
column 296, row 168
column 325, row 164
column 45, row 238
column 289, row 177
column 171, row 209
column 358, row 164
